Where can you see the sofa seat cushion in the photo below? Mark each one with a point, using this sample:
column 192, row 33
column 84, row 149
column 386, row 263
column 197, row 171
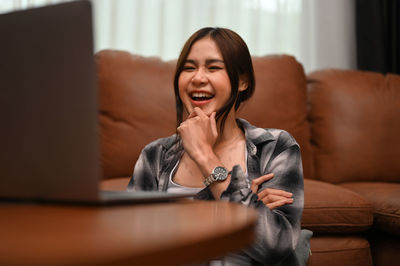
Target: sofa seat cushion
column 115, row 184
column 339, row 250
column 330, row 208
column 385, row 200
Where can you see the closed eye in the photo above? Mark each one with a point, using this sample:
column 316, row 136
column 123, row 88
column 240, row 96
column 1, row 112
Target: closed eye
column 214, row 68
column 188, row 68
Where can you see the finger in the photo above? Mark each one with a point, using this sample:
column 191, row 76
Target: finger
column 263, row 178
column 279, row 203
column 200, row 113
column 181, row 126
column 276, row 192
column 270, row 198
column 255, row 183
column 180, row 129
column 189, row 120
column 192, row 114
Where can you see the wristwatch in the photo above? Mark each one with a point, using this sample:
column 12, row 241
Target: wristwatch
column 219, row 173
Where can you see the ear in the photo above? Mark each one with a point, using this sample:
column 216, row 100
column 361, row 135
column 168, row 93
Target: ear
column 243, row 83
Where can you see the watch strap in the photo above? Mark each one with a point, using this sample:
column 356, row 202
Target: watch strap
column 209, row 180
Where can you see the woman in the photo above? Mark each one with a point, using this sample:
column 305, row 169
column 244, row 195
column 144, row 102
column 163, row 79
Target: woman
column 219, row 156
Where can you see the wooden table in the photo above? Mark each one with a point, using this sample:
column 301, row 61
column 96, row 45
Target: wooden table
column 152, row 234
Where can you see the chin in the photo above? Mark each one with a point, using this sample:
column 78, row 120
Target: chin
column 207, row 111
column 206, row 108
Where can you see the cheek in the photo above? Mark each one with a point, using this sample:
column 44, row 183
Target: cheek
column 182, row 83
column 225, row 86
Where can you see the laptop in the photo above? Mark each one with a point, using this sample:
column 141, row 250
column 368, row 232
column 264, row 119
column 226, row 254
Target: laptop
column 49, row 109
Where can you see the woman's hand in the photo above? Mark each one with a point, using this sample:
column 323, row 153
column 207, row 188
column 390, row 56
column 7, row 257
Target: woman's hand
column 198, row 133
column 272, row 198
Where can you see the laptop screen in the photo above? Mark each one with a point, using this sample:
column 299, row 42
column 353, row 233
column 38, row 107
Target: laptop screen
column 48, row 104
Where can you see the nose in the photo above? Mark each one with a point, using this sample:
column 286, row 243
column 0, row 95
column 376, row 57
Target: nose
column 200, row 77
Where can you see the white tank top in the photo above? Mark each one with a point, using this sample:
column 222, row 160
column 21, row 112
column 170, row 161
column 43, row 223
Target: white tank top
column 176, row 188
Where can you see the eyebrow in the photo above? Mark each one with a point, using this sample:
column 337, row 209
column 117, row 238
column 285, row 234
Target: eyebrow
column 208, row 61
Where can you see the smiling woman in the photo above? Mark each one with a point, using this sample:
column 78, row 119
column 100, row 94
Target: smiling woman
column 211, row 61
column 217, row 156
column 203, row 80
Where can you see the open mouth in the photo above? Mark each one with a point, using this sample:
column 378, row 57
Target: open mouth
column 201, row 96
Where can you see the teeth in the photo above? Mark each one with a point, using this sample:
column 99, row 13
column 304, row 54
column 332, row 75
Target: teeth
column 201, row 94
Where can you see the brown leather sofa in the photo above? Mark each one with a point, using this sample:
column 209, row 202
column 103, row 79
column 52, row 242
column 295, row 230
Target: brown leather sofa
column 346, row 122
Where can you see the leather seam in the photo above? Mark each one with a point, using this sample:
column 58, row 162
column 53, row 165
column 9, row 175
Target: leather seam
column 338, row 207
column 338, row 250
column 337, row 224
column 386, row 214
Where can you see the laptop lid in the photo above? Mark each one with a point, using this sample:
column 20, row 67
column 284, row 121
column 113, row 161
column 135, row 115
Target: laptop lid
column 48, row 104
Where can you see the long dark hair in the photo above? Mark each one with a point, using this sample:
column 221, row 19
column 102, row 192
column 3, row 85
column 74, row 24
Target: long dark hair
column 238, row 65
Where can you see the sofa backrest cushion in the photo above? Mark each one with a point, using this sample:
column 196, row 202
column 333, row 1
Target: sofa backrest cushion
column 280, row 101
column 355, row 125
column 137, row 105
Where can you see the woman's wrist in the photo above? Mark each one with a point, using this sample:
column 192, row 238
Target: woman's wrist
column 207, row 161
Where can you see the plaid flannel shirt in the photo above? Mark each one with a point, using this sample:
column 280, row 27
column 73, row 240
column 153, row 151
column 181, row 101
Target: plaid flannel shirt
column 268, row 151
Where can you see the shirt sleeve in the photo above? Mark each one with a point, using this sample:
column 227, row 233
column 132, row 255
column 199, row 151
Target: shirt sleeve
column 145, row 173
column 277, row 230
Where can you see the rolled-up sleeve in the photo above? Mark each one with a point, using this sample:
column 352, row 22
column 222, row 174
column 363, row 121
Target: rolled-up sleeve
column 277, row 230
column 145, row 173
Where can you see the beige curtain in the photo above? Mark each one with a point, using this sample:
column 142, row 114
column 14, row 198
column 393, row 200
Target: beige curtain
column 320, row 33
column 160, row 27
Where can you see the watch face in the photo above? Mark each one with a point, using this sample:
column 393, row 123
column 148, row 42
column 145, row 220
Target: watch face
column 220, row 173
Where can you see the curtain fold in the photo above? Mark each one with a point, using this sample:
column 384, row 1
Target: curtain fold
column 319, row 33
column 160, row 27
column 378, row 33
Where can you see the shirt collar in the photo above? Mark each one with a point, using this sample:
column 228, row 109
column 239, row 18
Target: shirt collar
column 172, row 145
column 254, row 135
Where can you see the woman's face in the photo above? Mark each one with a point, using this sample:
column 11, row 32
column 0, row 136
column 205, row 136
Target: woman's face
column 204, row 81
